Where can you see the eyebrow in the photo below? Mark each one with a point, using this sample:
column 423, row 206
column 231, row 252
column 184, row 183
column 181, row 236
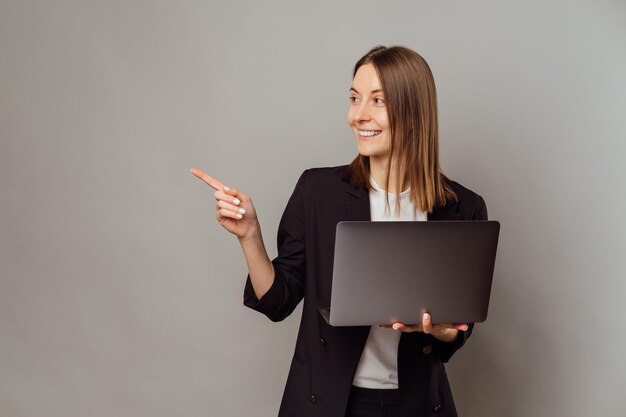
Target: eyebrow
column 378, row 90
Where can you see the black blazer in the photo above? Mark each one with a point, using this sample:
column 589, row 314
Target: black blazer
column 326, row 357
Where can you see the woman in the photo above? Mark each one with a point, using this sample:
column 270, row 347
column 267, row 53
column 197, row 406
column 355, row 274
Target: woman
column 388, row 370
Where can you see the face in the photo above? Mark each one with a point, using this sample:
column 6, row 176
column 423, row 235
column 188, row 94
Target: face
column 367, row 115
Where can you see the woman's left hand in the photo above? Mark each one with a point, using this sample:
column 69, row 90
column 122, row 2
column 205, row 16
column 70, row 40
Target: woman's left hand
column 446, row 332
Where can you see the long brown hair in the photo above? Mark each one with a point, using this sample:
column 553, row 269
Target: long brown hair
column 411, row 103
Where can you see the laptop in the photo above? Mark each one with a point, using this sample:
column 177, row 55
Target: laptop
column 394, row 271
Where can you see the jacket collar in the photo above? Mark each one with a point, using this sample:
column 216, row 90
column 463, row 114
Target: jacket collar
column 357, row 205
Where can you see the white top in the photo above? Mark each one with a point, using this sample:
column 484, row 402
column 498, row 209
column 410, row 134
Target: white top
column 378, row 367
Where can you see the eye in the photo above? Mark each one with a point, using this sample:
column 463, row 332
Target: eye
column 379, row 100
column 353, row 99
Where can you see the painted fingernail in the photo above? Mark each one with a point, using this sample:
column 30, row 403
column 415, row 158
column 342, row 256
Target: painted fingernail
column 242, row 211
column 226, row 188
column 239, row 216
column 236, row 201
column 426, row 316
column 396, row 326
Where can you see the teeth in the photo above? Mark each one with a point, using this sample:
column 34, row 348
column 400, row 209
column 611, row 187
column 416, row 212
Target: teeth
column 369, row 132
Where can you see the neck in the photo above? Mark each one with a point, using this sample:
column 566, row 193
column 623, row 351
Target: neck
column 378, row 170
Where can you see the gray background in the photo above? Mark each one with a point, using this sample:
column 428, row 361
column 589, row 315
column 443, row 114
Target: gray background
column 120, row 295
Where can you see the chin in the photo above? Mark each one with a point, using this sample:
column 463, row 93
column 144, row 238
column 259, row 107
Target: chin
column 369, row 151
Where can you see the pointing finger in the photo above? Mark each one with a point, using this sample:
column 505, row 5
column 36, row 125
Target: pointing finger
column 212, row 182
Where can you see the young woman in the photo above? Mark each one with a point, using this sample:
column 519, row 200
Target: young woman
column 388, row 370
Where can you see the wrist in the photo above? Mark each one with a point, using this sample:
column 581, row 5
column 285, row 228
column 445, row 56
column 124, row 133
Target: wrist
column 253, row 235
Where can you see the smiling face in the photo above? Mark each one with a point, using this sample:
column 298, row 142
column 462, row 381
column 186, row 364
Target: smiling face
column 397, row 133
column 367, row 115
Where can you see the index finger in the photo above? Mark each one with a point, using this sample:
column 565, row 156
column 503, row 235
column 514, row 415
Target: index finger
column 212, row 182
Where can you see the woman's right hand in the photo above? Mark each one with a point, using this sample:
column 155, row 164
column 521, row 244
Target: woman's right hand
column 234, row 210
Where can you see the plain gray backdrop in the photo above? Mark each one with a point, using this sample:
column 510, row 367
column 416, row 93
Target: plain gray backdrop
column 120, row 295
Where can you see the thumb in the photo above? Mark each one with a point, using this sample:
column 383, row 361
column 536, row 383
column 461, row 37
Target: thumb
column 239, row 194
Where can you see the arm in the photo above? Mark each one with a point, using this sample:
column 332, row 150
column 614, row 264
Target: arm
column 260, row 269
column 273, row 288
column 278, row 296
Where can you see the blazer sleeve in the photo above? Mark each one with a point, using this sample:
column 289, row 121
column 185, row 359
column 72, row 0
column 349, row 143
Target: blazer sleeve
column 287, row 290
column 445, row 350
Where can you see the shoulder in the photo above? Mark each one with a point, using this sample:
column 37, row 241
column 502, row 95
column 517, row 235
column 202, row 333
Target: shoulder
column 321, row 184
column 469, row 205
column 314, row 178
column 465, row 195
column 334, row 173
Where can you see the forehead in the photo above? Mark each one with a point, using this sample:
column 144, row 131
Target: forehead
column 366, row 79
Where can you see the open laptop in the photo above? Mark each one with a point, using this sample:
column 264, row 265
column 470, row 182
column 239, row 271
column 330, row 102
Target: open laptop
column 394, row 271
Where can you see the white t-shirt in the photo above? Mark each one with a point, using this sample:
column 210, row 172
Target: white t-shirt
column 378, row 367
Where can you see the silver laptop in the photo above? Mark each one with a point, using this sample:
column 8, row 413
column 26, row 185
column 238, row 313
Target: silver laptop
column 391, row 271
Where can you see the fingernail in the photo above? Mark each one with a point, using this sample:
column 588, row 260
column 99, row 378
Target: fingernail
column 239, row 216
column 242, row 211
column 226, row 188
column 426, row 316
column 396, row 326
column 236, row 201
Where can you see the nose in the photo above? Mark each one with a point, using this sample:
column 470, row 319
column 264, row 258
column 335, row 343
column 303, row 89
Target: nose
column 362, row 112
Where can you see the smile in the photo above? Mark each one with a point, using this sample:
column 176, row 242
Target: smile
column 370, row 132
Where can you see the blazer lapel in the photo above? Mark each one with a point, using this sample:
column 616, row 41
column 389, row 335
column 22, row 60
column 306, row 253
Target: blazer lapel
column 357, row 204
